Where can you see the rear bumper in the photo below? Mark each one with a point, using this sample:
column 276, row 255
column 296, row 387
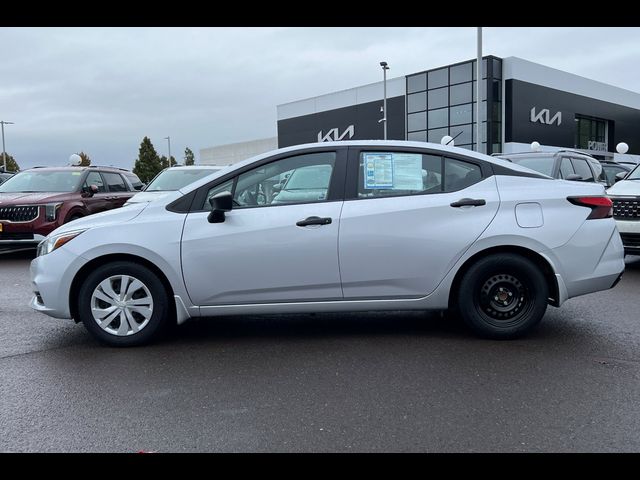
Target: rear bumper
column 593, row 260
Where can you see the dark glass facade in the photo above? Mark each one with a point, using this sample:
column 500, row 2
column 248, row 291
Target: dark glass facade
column 443, row 102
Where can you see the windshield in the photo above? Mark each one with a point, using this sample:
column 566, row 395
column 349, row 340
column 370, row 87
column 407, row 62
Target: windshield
column 543, row 165
column 43, row 181
column 307, row 178
column 635, row 174
column 171, row 180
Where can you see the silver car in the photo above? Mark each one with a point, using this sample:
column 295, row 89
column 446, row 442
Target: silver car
column 394, row 225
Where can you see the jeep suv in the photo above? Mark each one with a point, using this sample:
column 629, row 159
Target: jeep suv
column 37, row 201
column 565, row 164
column 625, row 195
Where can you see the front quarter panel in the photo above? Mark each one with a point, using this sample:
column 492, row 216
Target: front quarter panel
column 154, row 236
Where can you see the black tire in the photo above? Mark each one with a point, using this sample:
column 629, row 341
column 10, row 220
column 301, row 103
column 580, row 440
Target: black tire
column 502, row 296
column 73, row 217
column 151, row 330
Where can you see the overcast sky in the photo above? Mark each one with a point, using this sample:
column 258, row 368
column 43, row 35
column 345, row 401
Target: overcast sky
column 101, row 90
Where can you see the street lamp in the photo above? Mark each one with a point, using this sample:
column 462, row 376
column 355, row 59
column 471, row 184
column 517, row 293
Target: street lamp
column 4, row 153
column 168, row 139
column 384, row 104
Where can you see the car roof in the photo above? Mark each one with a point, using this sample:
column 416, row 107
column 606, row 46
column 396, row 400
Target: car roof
column 80, row 169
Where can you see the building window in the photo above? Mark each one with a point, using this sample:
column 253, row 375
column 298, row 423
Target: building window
column 417, row 121
column 417, row 83
column 451, row 104
column 438, row 118
column 591, row 133
column 417, row 102
column 438, row 98
column 438, row 78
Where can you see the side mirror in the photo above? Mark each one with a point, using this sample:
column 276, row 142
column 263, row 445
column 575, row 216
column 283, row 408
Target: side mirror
column 620, row 176
column 574, row 177
column 90, row 191
column 220, row 203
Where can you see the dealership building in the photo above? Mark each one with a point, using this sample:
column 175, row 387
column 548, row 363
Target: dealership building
column 521, row 102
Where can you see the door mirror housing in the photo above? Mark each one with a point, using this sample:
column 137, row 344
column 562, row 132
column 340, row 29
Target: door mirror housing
column 220, row 203
column 90, row 190
column 620, row 176
column 574, row 177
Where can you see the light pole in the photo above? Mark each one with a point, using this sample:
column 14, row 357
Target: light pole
column 384, row 103
column 4, row 153
column 168, row 139
column 478, row 89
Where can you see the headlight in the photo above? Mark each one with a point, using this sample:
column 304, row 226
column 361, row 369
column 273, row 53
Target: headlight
column 51, row 243
column 51, row 211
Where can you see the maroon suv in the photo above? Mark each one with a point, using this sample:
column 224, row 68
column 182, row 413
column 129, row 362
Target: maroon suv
column 39, row 200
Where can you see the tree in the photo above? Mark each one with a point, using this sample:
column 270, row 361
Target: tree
column 189, row 157
column 12, row 165
column 148, row 163
column 86, row 161
column 165, row 164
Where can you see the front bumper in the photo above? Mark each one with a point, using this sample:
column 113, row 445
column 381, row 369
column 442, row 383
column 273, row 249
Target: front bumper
column 51, row 277
column 630, row 234
column 21, row 240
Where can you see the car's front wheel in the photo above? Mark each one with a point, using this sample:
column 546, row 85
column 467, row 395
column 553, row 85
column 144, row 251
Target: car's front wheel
column 503, row 296
column 123, row 304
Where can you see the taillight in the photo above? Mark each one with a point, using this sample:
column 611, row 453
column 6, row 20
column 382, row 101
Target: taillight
column 601, row 207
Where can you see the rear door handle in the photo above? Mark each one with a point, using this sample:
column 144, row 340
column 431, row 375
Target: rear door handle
column 314, row 221
column 469, row 202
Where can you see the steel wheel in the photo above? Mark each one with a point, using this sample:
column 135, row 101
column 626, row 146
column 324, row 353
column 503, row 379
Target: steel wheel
column 504, row 299
column 121, row 305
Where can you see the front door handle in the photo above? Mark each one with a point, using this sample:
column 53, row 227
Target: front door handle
column 469, row 202
column 314, row 221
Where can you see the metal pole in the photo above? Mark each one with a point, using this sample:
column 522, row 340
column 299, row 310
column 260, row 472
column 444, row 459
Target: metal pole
column 168, row 139
column 384, row 70
column 478, row 89
column 4, row 155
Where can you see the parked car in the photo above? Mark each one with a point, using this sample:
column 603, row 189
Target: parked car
column 488, row 238
column 625, row 194
column 172, row 179
column 35, row 202
column 612, row 169
column 564, row 164
column 4, row 176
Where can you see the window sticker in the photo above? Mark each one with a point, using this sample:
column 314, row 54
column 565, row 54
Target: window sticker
column 393, row 171
column 378, row 170
column 407, row 171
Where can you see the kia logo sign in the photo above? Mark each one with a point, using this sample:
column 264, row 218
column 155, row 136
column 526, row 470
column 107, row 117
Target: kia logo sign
column 334, row 135
column 544, row 117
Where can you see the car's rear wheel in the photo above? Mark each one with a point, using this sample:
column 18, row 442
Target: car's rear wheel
column 123, row 304
column 503, row 296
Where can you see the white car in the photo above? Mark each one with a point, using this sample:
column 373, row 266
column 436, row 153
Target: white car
column 396, row 226
column 172, row 179
column 626, row 209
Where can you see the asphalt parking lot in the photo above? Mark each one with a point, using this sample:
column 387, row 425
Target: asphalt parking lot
column 333, row 382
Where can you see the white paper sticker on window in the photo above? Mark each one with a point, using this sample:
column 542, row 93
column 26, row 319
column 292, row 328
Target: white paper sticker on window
column 378, row 170
column 407, row 171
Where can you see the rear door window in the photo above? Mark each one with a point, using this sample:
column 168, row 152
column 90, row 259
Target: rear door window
column 566, row 168
column 115, row 182
column 391, row 174
column 582, row 168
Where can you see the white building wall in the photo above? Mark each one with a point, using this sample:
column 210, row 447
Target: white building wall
column 236, row 152
column 343, row 98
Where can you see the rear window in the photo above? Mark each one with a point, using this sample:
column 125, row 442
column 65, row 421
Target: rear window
column 543, row 165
